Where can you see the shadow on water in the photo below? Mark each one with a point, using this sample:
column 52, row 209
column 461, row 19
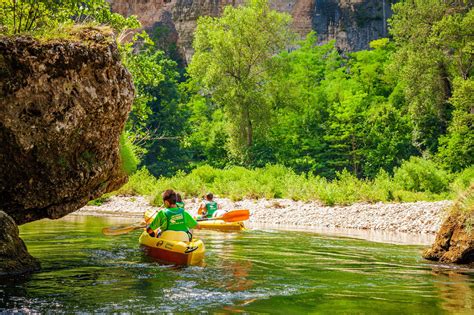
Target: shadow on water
column 251, row 271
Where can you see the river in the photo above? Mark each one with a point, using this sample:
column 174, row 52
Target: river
column 278, row 272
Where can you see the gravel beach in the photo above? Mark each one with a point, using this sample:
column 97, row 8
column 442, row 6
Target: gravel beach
column 413, row 217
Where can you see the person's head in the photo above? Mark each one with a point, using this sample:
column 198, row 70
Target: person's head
column 178, row 198
column 169, row 198
column 209, row 196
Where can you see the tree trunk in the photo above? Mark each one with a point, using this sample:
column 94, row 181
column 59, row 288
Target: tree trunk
column 248, row 127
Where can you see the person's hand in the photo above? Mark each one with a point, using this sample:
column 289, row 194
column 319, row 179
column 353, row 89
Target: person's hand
column 150, row 231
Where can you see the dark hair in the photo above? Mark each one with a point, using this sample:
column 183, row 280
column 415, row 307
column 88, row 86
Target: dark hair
column 178, row 198
column 209, row 196
column 169, row 195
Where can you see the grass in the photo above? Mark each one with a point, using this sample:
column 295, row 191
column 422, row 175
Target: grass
column 413, row 181
column 463, row 208
column 70, row 32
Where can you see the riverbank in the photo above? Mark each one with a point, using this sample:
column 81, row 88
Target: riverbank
column 413, row 217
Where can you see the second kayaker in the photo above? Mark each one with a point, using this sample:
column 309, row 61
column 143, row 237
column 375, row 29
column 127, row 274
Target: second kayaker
column 174, row 221
column 209, row 208
column 179, row 201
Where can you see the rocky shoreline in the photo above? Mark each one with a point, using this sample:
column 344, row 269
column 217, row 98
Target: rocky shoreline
column 413, row 217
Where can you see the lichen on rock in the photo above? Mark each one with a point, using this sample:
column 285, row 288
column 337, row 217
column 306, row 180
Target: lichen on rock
column 455, row 240
column 63, row 105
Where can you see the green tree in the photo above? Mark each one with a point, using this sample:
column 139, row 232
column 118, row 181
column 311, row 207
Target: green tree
column 233, row 55
column 457, row 147
column 434, row 39
column 158, row 120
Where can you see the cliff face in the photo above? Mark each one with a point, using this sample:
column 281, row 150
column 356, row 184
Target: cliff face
column 63, row 105
column 352, row 23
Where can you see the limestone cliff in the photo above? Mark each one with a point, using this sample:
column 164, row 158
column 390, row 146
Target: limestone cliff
column 63, row 105
column 352, row 23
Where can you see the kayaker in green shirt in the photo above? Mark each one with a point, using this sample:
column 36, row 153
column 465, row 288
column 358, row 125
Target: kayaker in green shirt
column 172, row 218
column 208, row 208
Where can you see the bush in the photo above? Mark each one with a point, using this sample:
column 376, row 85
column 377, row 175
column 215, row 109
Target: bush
column 463, row 180
column 421, row 175
column 141, row 183
column 415, row 180
column 127, row 155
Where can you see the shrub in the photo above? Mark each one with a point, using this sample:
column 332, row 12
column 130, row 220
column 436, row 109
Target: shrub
column 99, row 201
column 421, row 175
column 127, row 155
column 141, row 183
column 463, row 180
column 415, row 180
column 463, row 208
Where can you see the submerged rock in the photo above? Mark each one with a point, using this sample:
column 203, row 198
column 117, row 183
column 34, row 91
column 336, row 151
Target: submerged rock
column 14, row 258
column 455, row 240
column 63, row 105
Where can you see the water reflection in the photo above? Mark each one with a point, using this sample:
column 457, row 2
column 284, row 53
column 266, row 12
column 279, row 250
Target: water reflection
column 455, row 289
column 251, row 271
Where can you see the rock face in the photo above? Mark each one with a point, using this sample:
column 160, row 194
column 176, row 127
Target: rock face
column 63, row 105
column 455, row 240
column 352, row 23
column 14, row 258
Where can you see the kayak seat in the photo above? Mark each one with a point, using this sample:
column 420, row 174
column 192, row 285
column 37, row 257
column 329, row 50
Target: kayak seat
column 175, row 236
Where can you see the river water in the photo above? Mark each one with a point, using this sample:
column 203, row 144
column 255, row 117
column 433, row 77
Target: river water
column 278, row 272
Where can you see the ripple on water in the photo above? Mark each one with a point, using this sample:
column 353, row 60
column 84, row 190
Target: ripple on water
column 253, row 271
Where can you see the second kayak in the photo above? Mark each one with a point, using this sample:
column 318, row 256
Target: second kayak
column 221, row 225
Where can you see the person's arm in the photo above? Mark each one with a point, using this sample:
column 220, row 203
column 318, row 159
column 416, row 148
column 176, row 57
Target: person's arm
column 157, row 223
column 202, row 209
column 190, row 222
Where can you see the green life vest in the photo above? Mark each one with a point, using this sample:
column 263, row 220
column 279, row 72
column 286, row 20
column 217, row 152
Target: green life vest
column 211, row 207
column 175, row 219
column 180, row 204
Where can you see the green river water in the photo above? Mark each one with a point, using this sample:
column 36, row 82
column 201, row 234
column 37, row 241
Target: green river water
column 254, row 271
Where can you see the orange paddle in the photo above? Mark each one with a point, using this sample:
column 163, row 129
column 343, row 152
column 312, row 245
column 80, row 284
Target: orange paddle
column 231, row 216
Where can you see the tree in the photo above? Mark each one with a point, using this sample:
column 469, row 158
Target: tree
column 158, row 120
column 233, row 55
column 434, row 39
column 457, row 146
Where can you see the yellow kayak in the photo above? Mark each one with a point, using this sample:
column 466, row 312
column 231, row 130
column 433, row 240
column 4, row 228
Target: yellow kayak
column 173, row 251
column 172, row 246
column 221, row 225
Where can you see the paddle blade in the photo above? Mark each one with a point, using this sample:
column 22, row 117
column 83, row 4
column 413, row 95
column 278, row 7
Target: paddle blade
column 235, row 216
column 122, row 229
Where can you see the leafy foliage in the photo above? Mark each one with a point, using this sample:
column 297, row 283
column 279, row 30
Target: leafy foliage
column 275, row 181
column 418, row 174
column 233, row 55
column 127, row 155
column 435, row 48
column 42, row 16
column 308, row 122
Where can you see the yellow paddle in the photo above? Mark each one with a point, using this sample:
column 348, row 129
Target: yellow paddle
column 231, row 216
column 124, row 229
